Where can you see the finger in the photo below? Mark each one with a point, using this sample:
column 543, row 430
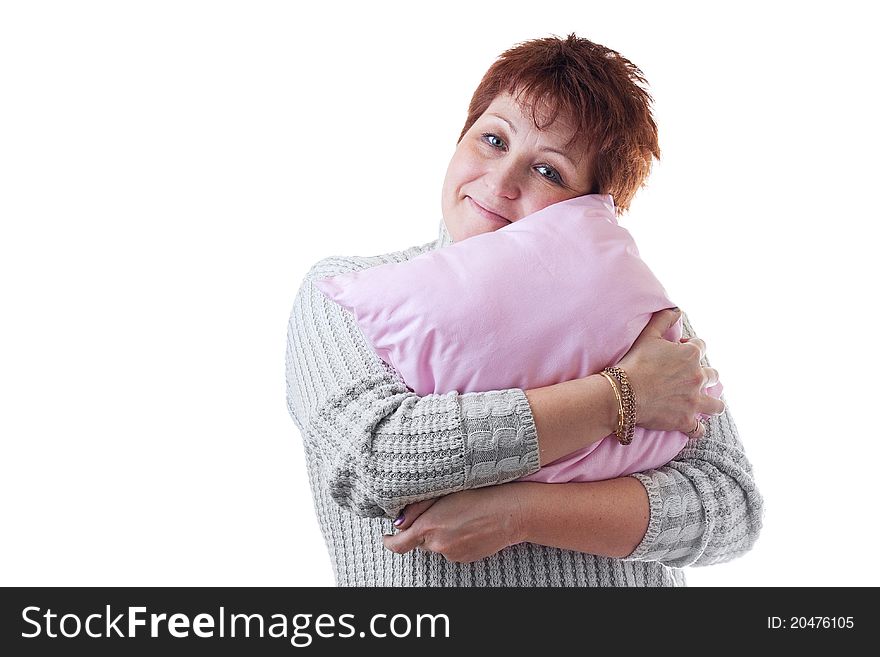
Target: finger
column 711, row 406
column 711, row 375
column 660, row 322
column 412, row 511
column 403, row 542
column 699, row 344
column 696, row 431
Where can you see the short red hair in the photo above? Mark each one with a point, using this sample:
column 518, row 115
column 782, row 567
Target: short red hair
column 603, row 92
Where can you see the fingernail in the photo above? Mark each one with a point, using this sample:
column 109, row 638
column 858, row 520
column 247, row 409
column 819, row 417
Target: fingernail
column 676, row 309
column 399, row 520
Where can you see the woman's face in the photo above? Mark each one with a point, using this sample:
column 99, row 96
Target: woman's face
column 504, row 169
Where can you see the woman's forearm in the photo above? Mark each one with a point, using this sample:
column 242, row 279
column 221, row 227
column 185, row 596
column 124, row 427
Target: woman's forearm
column 606, row 518
column 572, row 415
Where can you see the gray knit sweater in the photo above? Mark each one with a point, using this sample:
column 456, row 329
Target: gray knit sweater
column 372, row 447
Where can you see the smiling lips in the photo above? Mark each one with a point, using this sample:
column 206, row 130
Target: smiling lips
column 488, row 214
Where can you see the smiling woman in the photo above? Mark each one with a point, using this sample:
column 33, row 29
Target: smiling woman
column 505, row 168
column 553, row 119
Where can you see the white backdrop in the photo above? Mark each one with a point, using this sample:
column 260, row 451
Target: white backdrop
column 170, row 170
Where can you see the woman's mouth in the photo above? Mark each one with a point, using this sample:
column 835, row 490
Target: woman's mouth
column 488, row 214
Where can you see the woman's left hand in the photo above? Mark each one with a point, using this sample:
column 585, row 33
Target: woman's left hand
column 465, row 526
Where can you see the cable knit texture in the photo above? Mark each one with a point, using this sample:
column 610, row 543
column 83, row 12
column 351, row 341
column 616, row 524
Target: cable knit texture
column 372, row 446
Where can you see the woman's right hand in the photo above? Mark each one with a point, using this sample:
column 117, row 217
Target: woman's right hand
column 668, row 380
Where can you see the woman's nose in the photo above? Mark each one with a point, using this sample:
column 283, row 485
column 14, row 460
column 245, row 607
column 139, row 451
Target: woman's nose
column 502, row 179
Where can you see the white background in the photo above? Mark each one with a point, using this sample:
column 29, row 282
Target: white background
column 170, row 170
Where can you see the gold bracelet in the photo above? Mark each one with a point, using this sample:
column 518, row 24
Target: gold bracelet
column 619, row 431
column 625, row 435
column 628, row 404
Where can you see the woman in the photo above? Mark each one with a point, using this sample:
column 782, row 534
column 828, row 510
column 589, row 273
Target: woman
column 551, row 120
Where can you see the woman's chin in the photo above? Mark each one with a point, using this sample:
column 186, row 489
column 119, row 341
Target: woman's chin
column 473, row 227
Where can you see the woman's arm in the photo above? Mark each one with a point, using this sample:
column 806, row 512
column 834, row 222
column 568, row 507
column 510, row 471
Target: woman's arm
column 606, row 518
column 615, row 514
column 705, row 505
column 701, row 508
column 382, row 445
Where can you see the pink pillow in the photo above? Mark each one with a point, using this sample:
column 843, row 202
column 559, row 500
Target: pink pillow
column 558, row 295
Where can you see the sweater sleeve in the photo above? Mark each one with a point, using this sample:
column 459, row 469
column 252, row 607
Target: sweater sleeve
column 704, row 505
column 380, row 445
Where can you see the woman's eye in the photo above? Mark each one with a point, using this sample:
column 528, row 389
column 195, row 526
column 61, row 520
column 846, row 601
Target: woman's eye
column 549, row 173
column 493, row 140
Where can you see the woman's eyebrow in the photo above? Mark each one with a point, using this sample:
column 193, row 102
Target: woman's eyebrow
column 559, row 152
column 512, row 127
